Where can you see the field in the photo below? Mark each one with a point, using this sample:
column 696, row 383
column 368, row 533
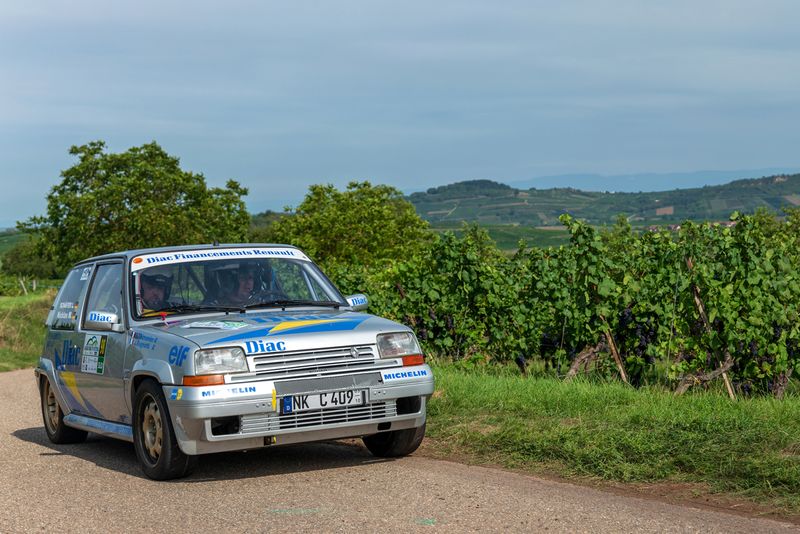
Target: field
column 22, row 329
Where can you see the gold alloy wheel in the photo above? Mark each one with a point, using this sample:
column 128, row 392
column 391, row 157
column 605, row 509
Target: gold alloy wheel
column 52, row 409
column 152, row 430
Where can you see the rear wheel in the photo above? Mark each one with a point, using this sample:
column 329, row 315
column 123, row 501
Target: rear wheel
column 154, row 438
column 53, row 417
column 395, row 442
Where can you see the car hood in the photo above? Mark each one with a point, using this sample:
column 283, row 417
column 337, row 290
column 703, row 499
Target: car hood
column 282, row 330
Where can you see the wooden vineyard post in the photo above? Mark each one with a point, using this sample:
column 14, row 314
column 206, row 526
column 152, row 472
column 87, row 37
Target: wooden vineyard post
column 698, row 302
column 614, row 352
column 585, row 358
column 617, row 359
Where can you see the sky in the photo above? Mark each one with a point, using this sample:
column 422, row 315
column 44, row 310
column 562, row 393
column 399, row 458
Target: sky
column 282, row 95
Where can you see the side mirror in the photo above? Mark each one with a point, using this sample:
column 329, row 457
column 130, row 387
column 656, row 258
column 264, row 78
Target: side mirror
column 103, row 321
column 358, row 301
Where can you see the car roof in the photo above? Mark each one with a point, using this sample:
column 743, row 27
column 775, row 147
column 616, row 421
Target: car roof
column 130, row 254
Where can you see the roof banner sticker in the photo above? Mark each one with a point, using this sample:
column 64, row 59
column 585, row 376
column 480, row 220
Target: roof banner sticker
column 166, row 258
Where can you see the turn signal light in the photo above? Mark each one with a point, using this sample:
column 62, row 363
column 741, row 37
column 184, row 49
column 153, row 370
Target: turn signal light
column 204, row 380
column 413, row 359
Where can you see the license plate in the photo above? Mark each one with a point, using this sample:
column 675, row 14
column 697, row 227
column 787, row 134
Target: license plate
column 322, row 401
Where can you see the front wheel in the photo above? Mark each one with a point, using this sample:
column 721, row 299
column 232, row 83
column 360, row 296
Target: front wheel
column 395, row 442
column 53, row 417
column 154, row 438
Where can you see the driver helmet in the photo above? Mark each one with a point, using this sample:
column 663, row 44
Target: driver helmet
column 160, row 276
column 226, row 277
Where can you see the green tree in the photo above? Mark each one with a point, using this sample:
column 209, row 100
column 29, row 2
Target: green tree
column 261, row 226
column 362, row 225
column 24, row 260
column 135, row 199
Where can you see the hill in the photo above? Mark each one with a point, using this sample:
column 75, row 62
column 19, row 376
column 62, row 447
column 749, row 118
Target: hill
column 489, row 202
column 9, row 238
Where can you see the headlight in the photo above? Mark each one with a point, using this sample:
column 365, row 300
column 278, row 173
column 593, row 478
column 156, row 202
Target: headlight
column 397, row 345
column 211, row 361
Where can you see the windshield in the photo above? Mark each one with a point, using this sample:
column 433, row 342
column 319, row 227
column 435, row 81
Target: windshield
column 183, row 285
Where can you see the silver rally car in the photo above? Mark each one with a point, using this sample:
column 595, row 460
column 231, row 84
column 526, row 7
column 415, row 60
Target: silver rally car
column 193, row 350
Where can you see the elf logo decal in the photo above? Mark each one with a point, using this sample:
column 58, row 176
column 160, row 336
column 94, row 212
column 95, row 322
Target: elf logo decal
column 177, row 355
column 259, row 346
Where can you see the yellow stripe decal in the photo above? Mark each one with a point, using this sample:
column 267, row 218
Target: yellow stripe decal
column 289, row 325
column 69, row 381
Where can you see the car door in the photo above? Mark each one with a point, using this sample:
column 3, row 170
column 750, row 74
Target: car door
column 102, row 341
column 63, row 343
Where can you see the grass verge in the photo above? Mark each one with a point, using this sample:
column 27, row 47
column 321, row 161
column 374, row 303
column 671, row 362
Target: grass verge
column 22, row 329
column 609, row 431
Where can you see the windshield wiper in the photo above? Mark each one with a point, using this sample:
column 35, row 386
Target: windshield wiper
column 183, row 308
column 284, row 303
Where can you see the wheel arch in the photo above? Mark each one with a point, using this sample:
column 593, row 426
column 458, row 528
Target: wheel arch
column 46, row 371
column 156, row 370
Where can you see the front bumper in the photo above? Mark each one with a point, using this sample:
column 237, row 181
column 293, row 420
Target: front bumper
column 247, row 415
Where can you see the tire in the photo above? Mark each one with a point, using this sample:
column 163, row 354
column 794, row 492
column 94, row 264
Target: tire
column 53, row 418
column 154, row 438
column 395, row 442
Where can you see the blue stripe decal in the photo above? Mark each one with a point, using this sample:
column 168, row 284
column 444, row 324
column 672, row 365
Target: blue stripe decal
column 102, row 426
column 73, row 403
column 282, row 318
column 335, row 325
column 246, row 335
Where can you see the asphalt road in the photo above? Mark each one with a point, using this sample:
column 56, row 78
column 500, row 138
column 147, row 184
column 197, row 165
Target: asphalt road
column 328, row 487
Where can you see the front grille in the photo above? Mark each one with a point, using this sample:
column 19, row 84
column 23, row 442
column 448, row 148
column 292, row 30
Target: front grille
column 313, row 363
column 271, row 422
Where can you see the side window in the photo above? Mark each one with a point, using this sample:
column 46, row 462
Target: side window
column 106, row 292
column 67, row 303
column 289, row 278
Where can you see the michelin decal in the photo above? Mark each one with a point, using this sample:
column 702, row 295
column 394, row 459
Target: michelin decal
column 408, row 373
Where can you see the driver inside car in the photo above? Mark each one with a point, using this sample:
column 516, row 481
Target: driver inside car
column 155, row 286
column 241, row 291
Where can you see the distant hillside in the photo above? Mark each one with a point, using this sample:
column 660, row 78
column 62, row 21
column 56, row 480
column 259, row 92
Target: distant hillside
column 9, row 238
column 647, row 181
column 490, row 202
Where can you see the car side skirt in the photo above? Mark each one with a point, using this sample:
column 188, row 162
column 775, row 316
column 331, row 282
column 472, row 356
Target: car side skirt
column 98, row 426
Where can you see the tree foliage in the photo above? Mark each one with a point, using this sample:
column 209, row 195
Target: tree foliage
column 135, row 199
column 362, row 225
column 25, row 260
column 468, row 302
